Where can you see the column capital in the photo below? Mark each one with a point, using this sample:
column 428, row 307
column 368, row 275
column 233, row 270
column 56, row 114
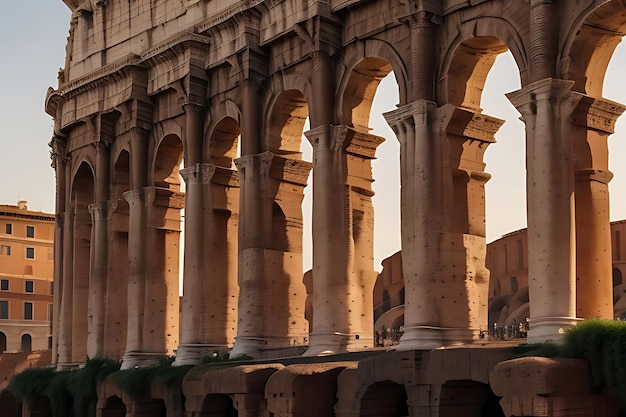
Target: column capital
column 597, row 114
column 467, row 123
column 553, row 89
column 264, row 160
column 198, row 173
column 98, row 211
column 134, row 197
column 346, row 138
column 420, row 112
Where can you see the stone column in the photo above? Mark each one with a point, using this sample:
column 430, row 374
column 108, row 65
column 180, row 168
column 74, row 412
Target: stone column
column 254, row 228
column 343, row 267
column 193, row 346
column 67, row 292
column 546, row 106
column 98, row 256
column 57, row 153
column 421, row 175
column 594, row 120
column 137, row 221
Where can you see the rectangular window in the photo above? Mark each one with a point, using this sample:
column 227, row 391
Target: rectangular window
column 5, row 250
column 4, row 310
column 30, row 286
column 30, row 253
column 4, row 284
column 9, row 229
column 30, row 231
column 28, row 311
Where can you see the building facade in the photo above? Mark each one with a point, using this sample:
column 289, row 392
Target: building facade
column 26, row 278
column 224, row 88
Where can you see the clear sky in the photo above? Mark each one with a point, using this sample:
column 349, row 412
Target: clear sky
column 32, row 45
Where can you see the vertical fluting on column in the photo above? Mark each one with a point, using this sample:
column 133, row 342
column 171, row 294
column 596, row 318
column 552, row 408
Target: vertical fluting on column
column 543, row 40
column 254, row 229
column 137, row 221
column 57, row 154
column 545, row 107
column 421, row 221
column 593, row 121
column 98, row 255
column 195, row 301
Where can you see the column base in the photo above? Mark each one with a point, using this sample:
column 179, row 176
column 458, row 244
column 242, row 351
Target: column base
column 247, row 346
column 433, row 337
column 549, row 329
column 327, row 344
column 132, row 360
column 193, row 354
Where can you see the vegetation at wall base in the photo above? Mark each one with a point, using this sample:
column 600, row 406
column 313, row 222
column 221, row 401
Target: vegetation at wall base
column 136, row 382
column 602, row 343
column 65, row 390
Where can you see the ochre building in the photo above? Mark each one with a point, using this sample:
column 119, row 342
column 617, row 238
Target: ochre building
column 217, row 92
column 26, row 278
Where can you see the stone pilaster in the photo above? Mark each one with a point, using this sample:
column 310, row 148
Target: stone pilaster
column 545, row 107
column 66, row 294
column 422, row 221
column 593, row 121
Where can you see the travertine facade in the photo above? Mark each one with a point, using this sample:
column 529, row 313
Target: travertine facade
column 26, row 277
column 224, row 88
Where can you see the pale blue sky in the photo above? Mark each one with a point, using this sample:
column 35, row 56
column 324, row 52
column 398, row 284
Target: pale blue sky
column 32, row 46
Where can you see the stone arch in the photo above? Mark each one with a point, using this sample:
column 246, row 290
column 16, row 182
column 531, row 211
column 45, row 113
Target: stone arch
column 466, row 68
column 288, row 113
column 377, row 51
column 9, row 404
column 219, row 405
column 26, row 343
column 470, row 398
column 470, row 56
column 38, row 406
column 166, row 164
column 590, row 44
column 113, row 407
column 82, row 196
column 3, row 342
column 359, row 89
column 223, row 144
column 384, row 399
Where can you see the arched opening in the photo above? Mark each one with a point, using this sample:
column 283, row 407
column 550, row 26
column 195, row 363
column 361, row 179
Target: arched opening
column 219, row 405
column 289, row 174
column 26, row 344
column 513, row 285
column 163, row 245
column 39, row 406
column 469, row 398
column 373, row 166
column 82, row 198
column 617, row 277
column 9, row 404
column 117, row 287
column 384, row 399
column 3, row 342
column 597, row 60
column 114, row 407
